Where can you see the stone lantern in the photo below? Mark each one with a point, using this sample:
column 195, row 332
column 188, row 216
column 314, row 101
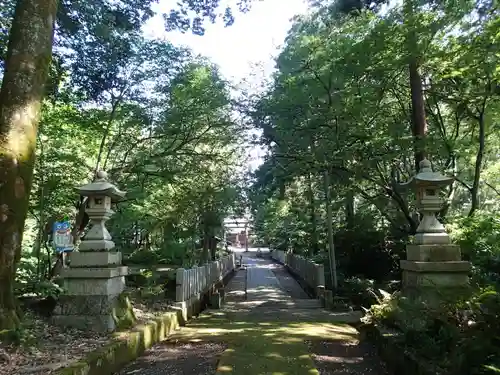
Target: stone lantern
column 96, row 278
column 432, row 260
column 100, row 195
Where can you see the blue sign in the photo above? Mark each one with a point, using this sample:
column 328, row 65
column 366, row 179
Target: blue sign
column 62, row 238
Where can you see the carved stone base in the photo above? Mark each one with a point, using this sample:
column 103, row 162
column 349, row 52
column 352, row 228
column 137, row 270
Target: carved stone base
column 433, row 253
column 86, row 312
column 97, row 323
column 434, row 266
column 96, row 245
column 447, row 274
column 92, row 294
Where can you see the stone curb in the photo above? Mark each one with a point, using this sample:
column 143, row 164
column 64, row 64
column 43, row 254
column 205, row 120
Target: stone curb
column 131, row 344
column 125, row 347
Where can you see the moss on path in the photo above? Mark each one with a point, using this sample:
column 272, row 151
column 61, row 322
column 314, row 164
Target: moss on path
column 258, row 345
column 266, row 334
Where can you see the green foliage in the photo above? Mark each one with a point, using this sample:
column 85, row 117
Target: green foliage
column 168, row 139
column 460, row 336
column 169, row 253
column 359, row 291
column 30, row 282
column 158, row 119
column 364, row 293
column 367, row 253
column 339, row 105
column 21, row 336
column 180, row 18
column 479, row 240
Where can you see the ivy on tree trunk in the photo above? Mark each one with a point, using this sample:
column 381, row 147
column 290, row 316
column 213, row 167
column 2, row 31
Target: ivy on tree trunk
column 26, row 70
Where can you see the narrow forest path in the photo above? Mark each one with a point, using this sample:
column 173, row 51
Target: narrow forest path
column 268, row 326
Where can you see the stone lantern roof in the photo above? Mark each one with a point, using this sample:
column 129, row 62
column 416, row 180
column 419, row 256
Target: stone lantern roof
column 100, row 186
column 426, row 177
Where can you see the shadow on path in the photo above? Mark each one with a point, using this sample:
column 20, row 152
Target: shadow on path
column 261, row 343
column 276, row 330
column 267, row 327
column 194, row 358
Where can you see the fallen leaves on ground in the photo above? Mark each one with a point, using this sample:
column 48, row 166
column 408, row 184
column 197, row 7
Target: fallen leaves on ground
column 45, row 348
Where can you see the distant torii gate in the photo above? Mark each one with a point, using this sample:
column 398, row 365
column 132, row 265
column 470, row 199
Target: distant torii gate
column 238, row 224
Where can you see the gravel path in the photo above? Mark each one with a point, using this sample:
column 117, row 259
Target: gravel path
column 346, row 358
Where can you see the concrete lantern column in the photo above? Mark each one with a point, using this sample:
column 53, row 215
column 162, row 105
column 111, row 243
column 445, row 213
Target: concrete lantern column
column 96, row 277
column 433, row 262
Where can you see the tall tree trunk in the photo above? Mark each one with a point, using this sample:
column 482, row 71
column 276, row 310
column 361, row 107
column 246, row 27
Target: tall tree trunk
column 213, row 245
column 419, row 128
column 329, row 227
column 41, row 213
column 285, row 245
column 282, row 191
column 26, row 70
column 349, row 208
column 479, row 162
column 314, row 225
column 419, row 124
column 205, row 251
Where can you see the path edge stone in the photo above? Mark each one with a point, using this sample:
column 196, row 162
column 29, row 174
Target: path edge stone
column 125, row 347
column 128, row 345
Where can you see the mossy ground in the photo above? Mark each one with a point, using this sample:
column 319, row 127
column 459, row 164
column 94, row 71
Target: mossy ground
column 264, row 345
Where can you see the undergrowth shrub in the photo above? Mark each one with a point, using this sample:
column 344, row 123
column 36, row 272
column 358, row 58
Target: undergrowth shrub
column 459, row 337
column 479, row 240
column 29, row 282
column 371, row 254
column 359, row 291
column 172, row 253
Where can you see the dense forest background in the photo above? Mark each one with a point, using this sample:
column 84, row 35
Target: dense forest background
column 361, row 94
column 158, row 118
column 362, row 91
column 338, row 120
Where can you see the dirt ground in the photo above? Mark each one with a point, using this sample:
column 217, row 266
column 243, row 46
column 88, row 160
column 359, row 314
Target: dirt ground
column 346, row 358
column 177, row 359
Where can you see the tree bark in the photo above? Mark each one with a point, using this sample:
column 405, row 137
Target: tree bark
column 419, row 128
column 26, row 71
column 349, row 208
column 314, row 226
column 419, row 124
column 479, row 161
column 329, row 227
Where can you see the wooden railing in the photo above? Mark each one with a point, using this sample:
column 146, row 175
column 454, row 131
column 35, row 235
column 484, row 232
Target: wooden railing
column 311, row 273
column 196, row 280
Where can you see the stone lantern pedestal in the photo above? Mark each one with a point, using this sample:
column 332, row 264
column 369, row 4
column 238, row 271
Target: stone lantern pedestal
column 96, row 278
column 433, row 262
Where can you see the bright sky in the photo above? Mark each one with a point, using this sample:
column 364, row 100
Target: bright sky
column 253, row 39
